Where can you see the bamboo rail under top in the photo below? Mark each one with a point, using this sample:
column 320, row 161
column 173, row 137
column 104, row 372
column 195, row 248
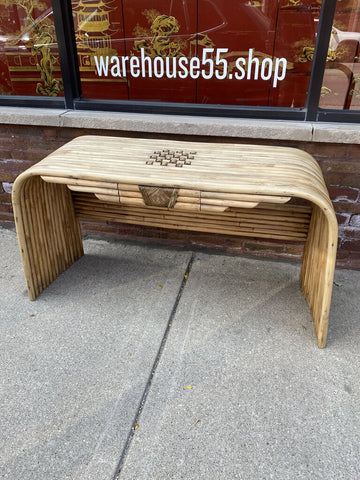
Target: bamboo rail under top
column 208, row 187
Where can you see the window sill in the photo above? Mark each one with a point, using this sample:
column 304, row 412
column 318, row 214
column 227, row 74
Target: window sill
column 346, row 133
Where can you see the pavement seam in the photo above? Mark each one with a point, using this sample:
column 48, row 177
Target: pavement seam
column 153, row 370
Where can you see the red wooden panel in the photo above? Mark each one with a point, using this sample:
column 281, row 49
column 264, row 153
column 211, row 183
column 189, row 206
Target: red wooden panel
column 354, row 93
column 99, row 37
column 29, row 60
column 237, row 26
column 295, row 40
column 341, row 84
column 161, row 29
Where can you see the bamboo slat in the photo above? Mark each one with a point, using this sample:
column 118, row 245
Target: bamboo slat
column 48, row 231
column 90, row 208
column 224, row 188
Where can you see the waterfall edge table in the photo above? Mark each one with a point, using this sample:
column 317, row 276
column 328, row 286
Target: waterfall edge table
column 231, row 189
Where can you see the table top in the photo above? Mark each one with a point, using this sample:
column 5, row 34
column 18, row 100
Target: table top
column 204, row 166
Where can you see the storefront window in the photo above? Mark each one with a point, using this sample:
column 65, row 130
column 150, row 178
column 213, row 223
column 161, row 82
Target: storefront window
column 29, row 60
column 341, row 84
column 243, row 52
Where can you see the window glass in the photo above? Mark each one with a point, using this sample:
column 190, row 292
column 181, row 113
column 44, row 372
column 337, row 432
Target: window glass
column 243, row 52
column 341, row 84
column 29, row 60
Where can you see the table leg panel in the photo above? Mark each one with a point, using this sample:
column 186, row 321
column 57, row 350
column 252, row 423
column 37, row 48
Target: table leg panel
column 48, row 231
column 318, row 266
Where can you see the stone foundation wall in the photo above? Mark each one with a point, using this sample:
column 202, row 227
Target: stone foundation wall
column 24, row 145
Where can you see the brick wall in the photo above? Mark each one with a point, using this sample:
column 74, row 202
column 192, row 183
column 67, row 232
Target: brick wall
column 22, row 146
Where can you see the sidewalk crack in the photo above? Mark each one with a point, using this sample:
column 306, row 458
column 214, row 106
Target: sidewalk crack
column 153, row 370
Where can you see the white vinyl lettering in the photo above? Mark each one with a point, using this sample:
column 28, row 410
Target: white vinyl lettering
column 115, row 69
column 194, row 67
column 241, row 69
column 158, row 67
column 222, row 63
column 146, row 65
column 252, row 61
column 183, row 61
column 135, row 67
column 102, row 66
column 281, row 76
column 208, row 63
column 267, row 63
column 214, row 63
column 123, row 65
column 170, row 72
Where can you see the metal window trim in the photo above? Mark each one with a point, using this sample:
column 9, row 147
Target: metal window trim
column 72, row 95
column 319, row 61
column 31, row 101
column 190, row 109
column 65, row 34
column 344, row 116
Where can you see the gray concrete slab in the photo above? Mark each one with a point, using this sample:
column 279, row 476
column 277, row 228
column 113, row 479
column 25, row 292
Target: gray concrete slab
column 49, row 117
column 242, row 391
column 74, row 363
column 189, row 125
column 336, row 133
column 330, row 132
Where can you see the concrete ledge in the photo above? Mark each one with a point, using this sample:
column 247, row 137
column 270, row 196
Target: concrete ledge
column 190, row 125
column 185, row 125
column 336, row 132
column 30, row 116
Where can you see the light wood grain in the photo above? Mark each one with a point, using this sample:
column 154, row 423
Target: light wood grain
column 239, row 222
column 228, row 189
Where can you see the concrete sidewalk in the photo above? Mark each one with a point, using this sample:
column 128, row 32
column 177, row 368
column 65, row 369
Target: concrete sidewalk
column 154, row 363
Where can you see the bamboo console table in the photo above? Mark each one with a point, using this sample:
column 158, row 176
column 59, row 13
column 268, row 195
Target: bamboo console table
column 222, row 188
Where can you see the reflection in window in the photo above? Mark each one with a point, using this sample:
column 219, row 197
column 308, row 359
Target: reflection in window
column 29, row 60
column 256, row 53
column 341, row 84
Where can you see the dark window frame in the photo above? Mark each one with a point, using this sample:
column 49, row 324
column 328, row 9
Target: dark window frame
column 72, row 86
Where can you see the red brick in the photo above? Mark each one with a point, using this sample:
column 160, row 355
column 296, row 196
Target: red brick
column 327, row 150
column 338, row 192
column 350, row 180
column 92, row 227
column 5, row 198
column 349, row 239
column 49, row 132
column 4, row 154
column 354, row 152
column 349, row 232
column 351, row 261
column 261, row 245
column 343, row 218
column 14, row 167
column 355, row 221
column 347, row 207
column 5, row 207
column 341, row 166
column 351, row 245
column 6, row 217
column 7, row 177
column 344, row 179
